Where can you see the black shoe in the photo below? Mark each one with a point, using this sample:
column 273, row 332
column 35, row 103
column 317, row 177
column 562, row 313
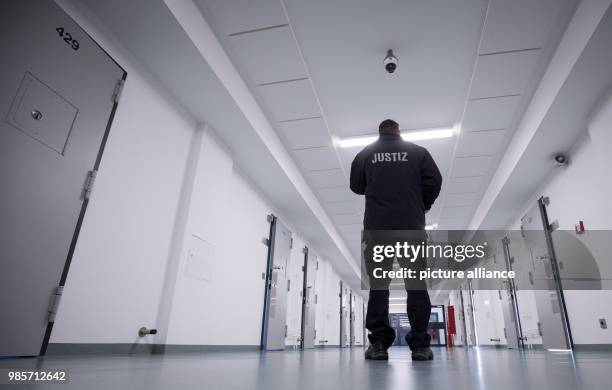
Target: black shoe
column 422, row 353
column 377, row 351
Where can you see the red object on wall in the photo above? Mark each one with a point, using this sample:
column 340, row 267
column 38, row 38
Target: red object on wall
column 579, row 226
column 452, row 329
column 450, row 325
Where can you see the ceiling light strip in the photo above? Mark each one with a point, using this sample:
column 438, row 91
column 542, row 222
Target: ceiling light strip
column 419, row 135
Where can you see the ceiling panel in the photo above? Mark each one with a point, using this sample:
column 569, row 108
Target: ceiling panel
column 480, row 142
column 245, row 15
column 347, row 219
column 487, row 114
column 327, row 178
column 456, row 212
column 452, row 223
column 342, row 207
column 345, row 41
column 351, row 229
column 333, row 194
column 471, row 166
column 465, row 199
column 305, row 133
column 520, row 24
column 317, row 159
column 458, row 185
column 269, row 55
column 290, row 100
column 503, row 74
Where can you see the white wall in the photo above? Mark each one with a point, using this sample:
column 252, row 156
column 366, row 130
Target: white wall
column 117, row 272
column 582, row 191
column 225, row 306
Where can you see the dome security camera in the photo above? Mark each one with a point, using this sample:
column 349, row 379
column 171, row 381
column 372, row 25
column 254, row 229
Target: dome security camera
column 560, row 159
column 390, row 62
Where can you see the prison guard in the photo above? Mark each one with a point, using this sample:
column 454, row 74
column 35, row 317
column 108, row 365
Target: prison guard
column 400, row 181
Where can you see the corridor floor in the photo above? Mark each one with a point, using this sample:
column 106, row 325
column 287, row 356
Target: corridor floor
column 331, row 368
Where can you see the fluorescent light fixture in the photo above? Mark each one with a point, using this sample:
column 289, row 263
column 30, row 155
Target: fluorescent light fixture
column 404, row 298
column 559, row 350
column 350, row 142
column 428, row 134
column 433, row 226
column 418, row 135
column 397, row 304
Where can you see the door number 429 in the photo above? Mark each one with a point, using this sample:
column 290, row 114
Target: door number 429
column 67, row 37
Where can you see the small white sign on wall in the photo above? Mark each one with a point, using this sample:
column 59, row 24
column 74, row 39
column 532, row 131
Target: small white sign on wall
column 200, row 259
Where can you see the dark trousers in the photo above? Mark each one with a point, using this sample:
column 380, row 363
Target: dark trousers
column 418, row 308
column 418, row 305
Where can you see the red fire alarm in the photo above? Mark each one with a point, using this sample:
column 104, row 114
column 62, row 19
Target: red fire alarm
column 579, row 226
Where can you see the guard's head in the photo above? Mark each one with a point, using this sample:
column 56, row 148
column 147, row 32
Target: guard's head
column 388, row 126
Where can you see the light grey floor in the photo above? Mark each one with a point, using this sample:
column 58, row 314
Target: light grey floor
column 332, row 368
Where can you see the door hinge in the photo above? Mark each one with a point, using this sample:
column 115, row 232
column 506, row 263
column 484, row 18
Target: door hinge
column 118, row 90
column 553, row 226
column 286, row 328
column 291, row 243
column 89, row 183
column 56, row 297
column 288, row 284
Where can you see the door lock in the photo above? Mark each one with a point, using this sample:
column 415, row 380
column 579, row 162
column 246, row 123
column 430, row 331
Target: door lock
column 37, row 115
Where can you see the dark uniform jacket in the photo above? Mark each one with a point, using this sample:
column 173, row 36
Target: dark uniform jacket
column 400, row 181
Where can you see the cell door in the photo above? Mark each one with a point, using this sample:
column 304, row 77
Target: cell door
column 344, row 315
column 554, row 323
column 274, row 327
column 58, row 93
column 351, row 319
column 309, row 301
column 467, row 296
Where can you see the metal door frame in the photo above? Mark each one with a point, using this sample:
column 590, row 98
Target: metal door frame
column 511, row 288
column 351, row 320
column 363, row 319
column 77, row 229
column 304, row 292
column 463, row 324
column 269, row 264
column 472, row 313
column 548, row 228
column 342, row 330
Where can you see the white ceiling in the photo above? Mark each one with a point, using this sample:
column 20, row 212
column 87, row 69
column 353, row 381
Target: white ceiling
column 316, row 68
